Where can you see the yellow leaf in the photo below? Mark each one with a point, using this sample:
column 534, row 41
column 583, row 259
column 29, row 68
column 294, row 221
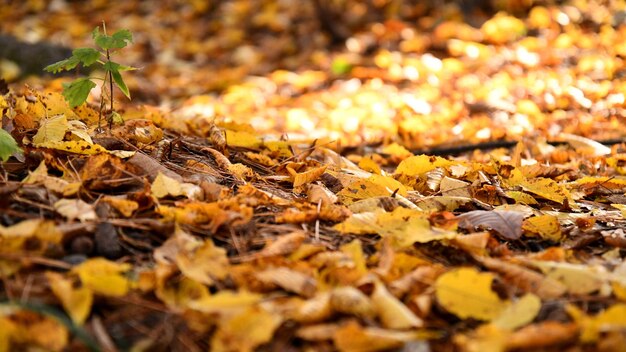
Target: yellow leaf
column 420, row 164
column 518, row 313
column 352, row 337
column 350, row 300
column 124, row 206
column 226, row 302
column 35, row 330
column 369, row 165
column 392, row 312
column 546, row 226
column 104, row 277
column 163, row 186
column 611, row 319
column 54, row 184
column 487, row 337
column 7, row 329
column 521, row 197
column 77, row 147
column 204, row 262
column 75, row 300
column 404, row 226
column 373, row 186
column 245, row 331
column 242, row 139
column 308, row 176
column 467, row 293
column 578, row 278
column 51, row 130
column 397, row 151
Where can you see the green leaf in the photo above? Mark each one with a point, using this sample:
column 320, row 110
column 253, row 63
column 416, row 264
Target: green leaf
column 118, row 40
column 86, row 55
column 114, row 68
column 8, row 146
column 63, row 65
column 76, row 92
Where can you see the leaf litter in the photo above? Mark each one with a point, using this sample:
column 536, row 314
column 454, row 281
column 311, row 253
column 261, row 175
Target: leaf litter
column 265, row 189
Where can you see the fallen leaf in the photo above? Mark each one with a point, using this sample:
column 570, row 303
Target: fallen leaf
column 467, row 293
column 507, row 224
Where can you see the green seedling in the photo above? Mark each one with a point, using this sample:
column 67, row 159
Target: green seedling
column 77, row 91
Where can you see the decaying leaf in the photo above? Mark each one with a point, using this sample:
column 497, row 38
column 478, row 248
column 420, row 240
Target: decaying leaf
column 507, row 224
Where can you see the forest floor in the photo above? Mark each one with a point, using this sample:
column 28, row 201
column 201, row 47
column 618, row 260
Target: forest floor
column 364, row 176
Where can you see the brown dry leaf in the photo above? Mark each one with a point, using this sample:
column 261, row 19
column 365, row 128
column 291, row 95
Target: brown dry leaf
column 507, row 224
column 245, row 331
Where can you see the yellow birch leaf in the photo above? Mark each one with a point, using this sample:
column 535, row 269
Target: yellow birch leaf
column 420, row 164
column 75, row 300
column 246, row 331
column 104, row 277
column 203, row 263
column 546, row 226
column 77, row 147
column 467, row 293
column 51, row 130
column 519, row 313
